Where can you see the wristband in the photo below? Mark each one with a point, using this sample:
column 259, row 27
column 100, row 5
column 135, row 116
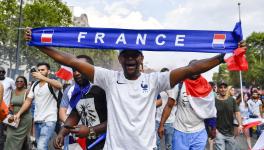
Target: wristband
column 221, row 58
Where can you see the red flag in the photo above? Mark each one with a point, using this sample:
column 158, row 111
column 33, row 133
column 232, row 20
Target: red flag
column 198, row 88
column 82, row 142
column 238, row 61
column 64, row 73
column 251, row 122
column 201, row 97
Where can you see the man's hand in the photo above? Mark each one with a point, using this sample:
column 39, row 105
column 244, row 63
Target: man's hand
column 242, row 44
column 240, row 129
column 212, row 133
column 38, row 75
column 27, row 35
column 58, row 142
column 81, row 131
column 161, row 131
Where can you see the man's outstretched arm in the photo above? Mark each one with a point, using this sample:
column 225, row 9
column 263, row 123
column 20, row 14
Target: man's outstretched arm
column 198, row 67
column 65, row 58
column 195, row 68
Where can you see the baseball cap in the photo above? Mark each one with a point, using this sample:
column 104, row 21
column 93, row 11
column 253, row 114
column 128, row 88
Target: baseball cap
column 123, row 50
column 222, row 83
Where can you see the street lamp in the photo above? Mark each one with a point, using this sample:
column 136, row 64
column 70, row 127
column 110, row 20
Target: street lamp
column 18, row 38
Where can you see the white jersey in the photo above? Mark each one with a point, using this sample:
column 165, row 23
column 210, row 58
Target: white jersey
column 253, row 106
column 45, row 104
column 9, row 86
column 131, row 108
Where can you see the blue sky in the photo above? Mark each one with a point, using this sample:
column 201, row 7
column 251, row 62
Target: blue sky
column 172, row 14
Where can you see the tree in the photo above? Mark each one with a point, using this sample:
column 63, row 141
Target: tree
column 8, row 30
column 255, row 55
column 222, row 75
column 43, row 13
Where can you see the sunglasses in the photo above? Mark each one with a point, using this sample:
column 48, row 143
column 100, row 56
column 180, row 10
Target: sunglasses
column 19, row 81
column 2, row 72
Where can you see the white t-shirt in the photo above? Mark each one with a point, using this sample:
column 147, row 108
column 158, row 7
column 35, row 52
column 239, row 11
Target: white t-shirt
column 254, row 106
column 131, row 107
column 244, row 111
column 186, row 120
column 9, row 86
column 164, row 97
column 45, row 104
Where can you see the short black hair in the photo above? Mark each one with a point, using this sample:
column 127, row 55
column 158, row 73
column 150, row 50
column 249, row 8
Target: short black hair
column 212, row 83
column 164, row 69
column 44, row 64
column 88, row 59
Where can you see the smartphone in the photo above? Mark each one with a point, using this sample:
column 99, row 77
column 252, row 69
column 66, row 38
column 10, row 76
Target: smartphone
column 68, row 127
column 33, row 70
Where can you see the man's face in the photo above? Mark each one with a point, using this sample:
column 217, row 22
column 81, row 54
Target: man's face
column 78, row 77
column 255, row 95
column 43, row 70
column 131, row 61
column 2, row 73
column 222, row 90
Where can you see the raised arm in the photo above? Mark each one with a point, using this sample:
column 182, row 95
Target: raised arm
column 197, row 67
column 65, row 58
column 1, row 92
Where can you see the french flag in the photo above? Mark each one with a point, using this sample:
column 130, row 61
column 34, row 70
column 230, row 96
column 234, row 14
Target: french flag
column 251, row 122
column 64, row 73
column 219, row 41
column 201, row 97
column 46, row 37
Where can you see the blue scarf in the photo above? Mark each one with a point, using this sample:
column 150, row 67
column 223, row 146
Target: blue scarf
column 151, row 40
column 78, row 93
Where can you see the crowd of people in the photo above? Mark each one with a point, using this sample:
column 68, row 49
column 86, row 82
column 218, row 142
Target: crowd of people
column 133, row 110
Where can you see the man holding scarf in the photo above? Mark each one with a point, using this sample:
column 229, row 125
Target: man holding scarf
column 84, row 103
column 130, row 94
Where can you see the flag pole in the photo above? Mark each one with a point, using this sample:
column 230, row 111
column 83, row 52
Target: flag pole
column 240, row 72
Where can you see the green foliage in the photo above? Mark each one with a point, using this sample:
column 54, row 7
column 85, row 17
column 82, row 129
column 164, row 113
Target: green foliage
column 255, row 58
column 8, row 25
column 103, row 58
column 222, row 75
column 43, row 13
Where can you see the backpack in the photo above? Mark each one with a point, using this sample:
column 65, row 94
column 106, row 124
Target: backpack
column 179, row 92
column 57, row 98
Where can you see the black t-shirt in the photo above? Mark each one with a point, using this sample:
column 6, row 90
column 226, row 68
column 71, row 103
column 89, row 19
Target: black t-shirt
column 225, row 115
column 92, row 109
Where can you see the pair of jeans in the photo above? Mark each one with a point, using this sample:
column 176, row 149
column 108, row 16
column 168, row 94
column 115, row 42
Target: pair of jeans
column 189, row 141
column 43, row 133
column 66, row 143
column 168, row 133
column 223, row 142
column 2, row 136
column 259, row 130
